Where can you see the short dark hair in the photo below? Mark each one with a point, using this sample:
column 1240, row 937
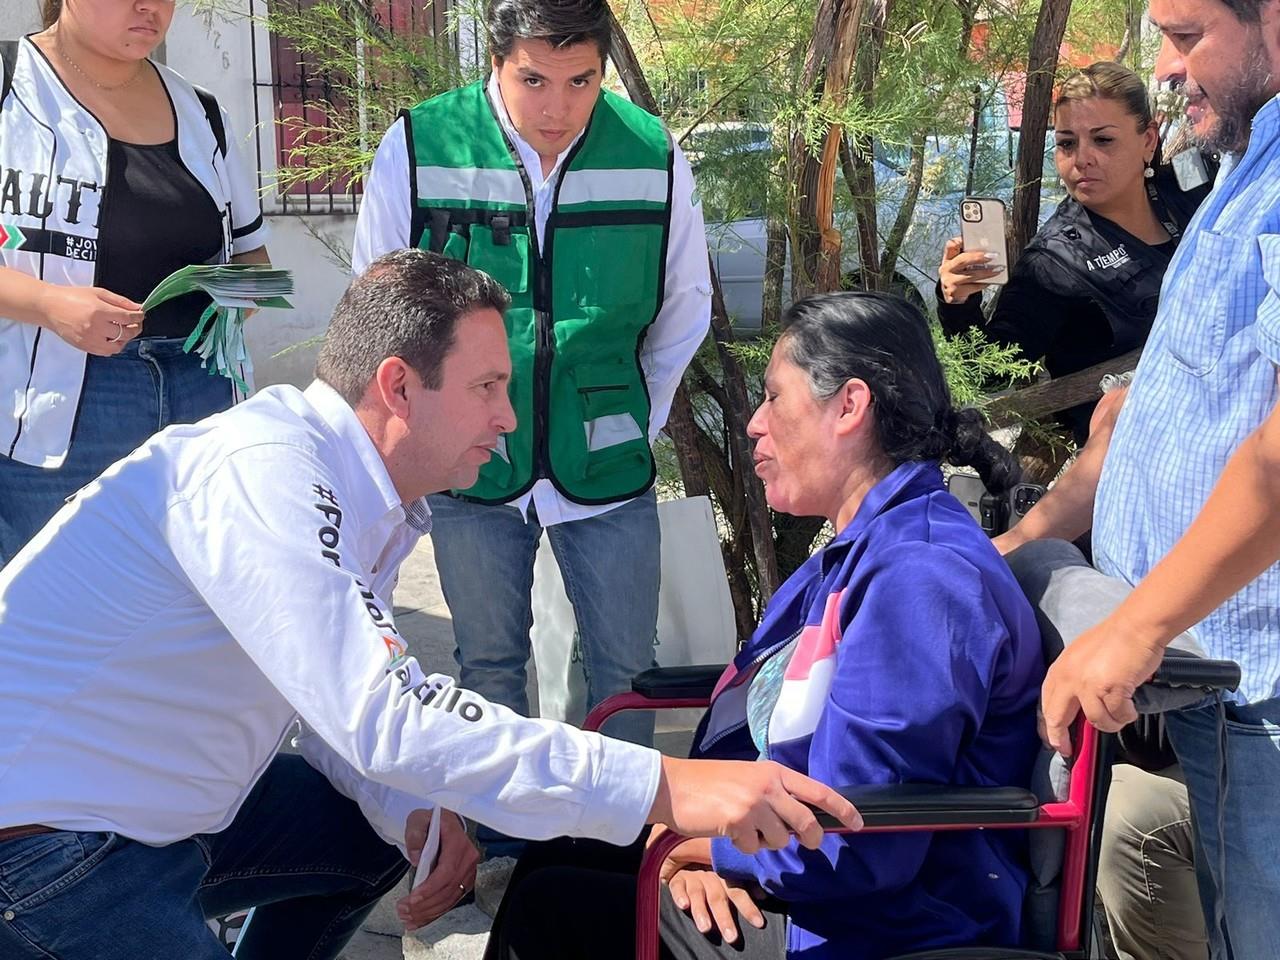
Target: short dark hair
column 406, row 305
column 50, row 12
column 884, row 341
column 562, row 23
column 1246, row 11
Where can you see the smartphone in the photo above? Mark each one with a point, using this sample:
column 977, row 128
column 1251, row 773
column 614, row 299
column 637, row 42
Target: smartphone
column 982, row 228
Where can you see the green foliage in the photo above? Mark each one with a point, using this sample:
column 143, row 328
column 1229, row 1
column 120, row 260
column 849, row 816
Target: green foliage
column 974, row 366
column 367, row 73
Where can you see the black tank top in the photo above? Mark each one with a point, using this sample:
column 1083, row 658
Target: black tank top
column 155, row 218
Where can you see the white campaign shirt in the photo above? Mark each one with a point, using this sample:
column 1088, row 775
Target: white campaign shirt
column 672, row 339
column 161, row 635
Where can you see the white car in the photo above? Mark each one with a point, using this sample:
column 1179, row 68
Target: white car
column 731, row 162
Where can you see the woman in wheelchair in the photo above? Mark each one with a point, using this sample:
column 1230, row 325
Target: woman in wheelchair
column 902, row 651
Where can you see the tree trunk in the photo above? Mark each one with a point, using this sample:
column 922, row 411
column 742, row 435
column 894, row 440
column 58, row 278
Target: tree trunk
column 828, row 68
column 629, row 70
column 1042, row 63
column 736, row 416
column 1131, row 45
column 775, row 268
column 975, row 126
column 1060, row 393
column 857, row 152
column 860, row 177
column 968, row 17
column 683, row 430
column 738, row 410
column 902, row 223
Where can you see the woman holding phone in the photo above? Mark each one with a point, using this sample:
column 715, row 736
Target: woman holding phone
column 1086, row 287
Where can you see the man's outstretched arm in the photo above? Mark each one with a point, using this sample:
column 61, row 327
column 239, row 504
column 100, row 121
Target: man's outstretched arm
column 329, row 645
column 1235, row 537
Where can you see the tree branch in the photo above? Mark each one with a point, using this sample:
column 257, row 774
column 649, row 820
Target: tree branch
column 715, row 104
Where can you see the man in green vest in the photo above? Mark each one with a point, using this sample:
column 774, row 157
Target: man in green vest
column 581, row 205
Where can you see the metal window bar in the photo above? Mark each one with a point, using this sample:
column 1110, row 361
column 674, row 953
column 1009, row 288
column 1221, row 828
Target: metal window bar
column 294, row 83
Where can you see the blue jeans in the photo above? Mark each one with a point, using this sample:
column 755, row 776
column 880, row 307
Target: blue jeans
column 126, row 398
column 611, row 567
column 298, row 852
column 1242, row 880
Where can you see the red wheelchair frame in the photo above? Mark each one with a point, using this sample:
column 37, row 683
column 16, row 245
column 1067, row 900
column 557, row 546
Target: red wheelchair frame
column 927, row 807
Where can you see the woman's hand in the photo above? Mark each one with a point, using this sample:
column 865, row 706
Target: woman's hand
column 691, row 852
column 709, row 899
column 91, row 319
column 960, row 272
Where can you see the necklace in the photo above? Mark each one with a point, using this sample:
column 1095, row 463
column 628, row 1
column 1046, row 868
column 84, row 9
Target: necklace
column 62, row 52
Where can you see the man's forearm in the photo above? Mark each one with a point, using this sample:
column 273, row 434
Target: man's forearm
column 1235, row 537
column 1066, row 511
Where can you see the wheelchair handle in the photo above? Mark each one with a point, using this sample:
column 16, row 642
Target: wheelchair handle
column 1197, row 673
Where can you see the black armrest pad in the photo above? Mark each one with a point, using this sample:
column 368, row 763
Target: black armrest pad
column 1197, row 672
column 930, row 804
column 678, row 683
column 981, row 953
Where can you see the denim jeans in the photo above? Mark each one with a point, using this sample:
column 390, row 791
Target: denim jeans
column 611, row 566
column 1242, row 880
column 126, row 398
column 298, row 852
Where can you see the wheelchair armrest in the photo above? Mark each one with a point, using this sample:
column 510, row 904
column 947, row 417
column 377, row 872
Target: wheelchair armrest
column 932, row 804
column 678, row 683
column 981, row 953
column 1196, row 672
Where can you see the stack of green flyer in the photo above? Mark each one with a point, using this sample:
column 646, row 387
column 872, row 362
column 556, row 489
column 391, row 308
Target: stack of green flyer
column 234, row 289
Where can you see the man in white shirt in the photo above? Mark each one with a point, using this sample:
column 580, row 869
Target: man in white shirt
column 583, row 207
column 161, row 636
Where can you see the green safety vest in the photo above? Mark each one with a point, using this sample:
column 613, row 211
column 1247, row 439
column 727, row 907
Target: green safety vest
column 582, row 297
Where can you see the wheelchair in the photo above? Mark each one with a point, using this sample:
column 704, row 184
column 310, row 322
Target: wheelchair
column 1062, row 809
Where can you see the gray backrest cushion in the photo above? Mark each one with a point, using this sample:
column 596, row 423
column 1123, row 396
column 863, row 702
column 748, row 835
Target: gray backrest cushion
column 1069, row 597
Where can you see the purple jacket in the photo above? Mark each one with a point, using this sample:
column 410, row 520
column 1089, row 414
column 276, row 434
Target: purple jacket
column 919, row 661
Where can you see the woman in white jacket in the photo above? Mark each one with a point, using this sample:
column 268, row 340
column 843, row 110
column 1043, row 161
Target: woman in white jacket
column 114, row 172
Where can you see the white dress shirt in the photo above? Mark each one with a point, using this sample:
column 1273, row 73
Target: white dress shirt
column 675, row 334
column 161, row 635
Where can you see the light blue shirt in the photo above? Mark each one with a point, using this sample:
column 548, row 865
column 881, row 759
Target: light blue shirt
column 1207, row 379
